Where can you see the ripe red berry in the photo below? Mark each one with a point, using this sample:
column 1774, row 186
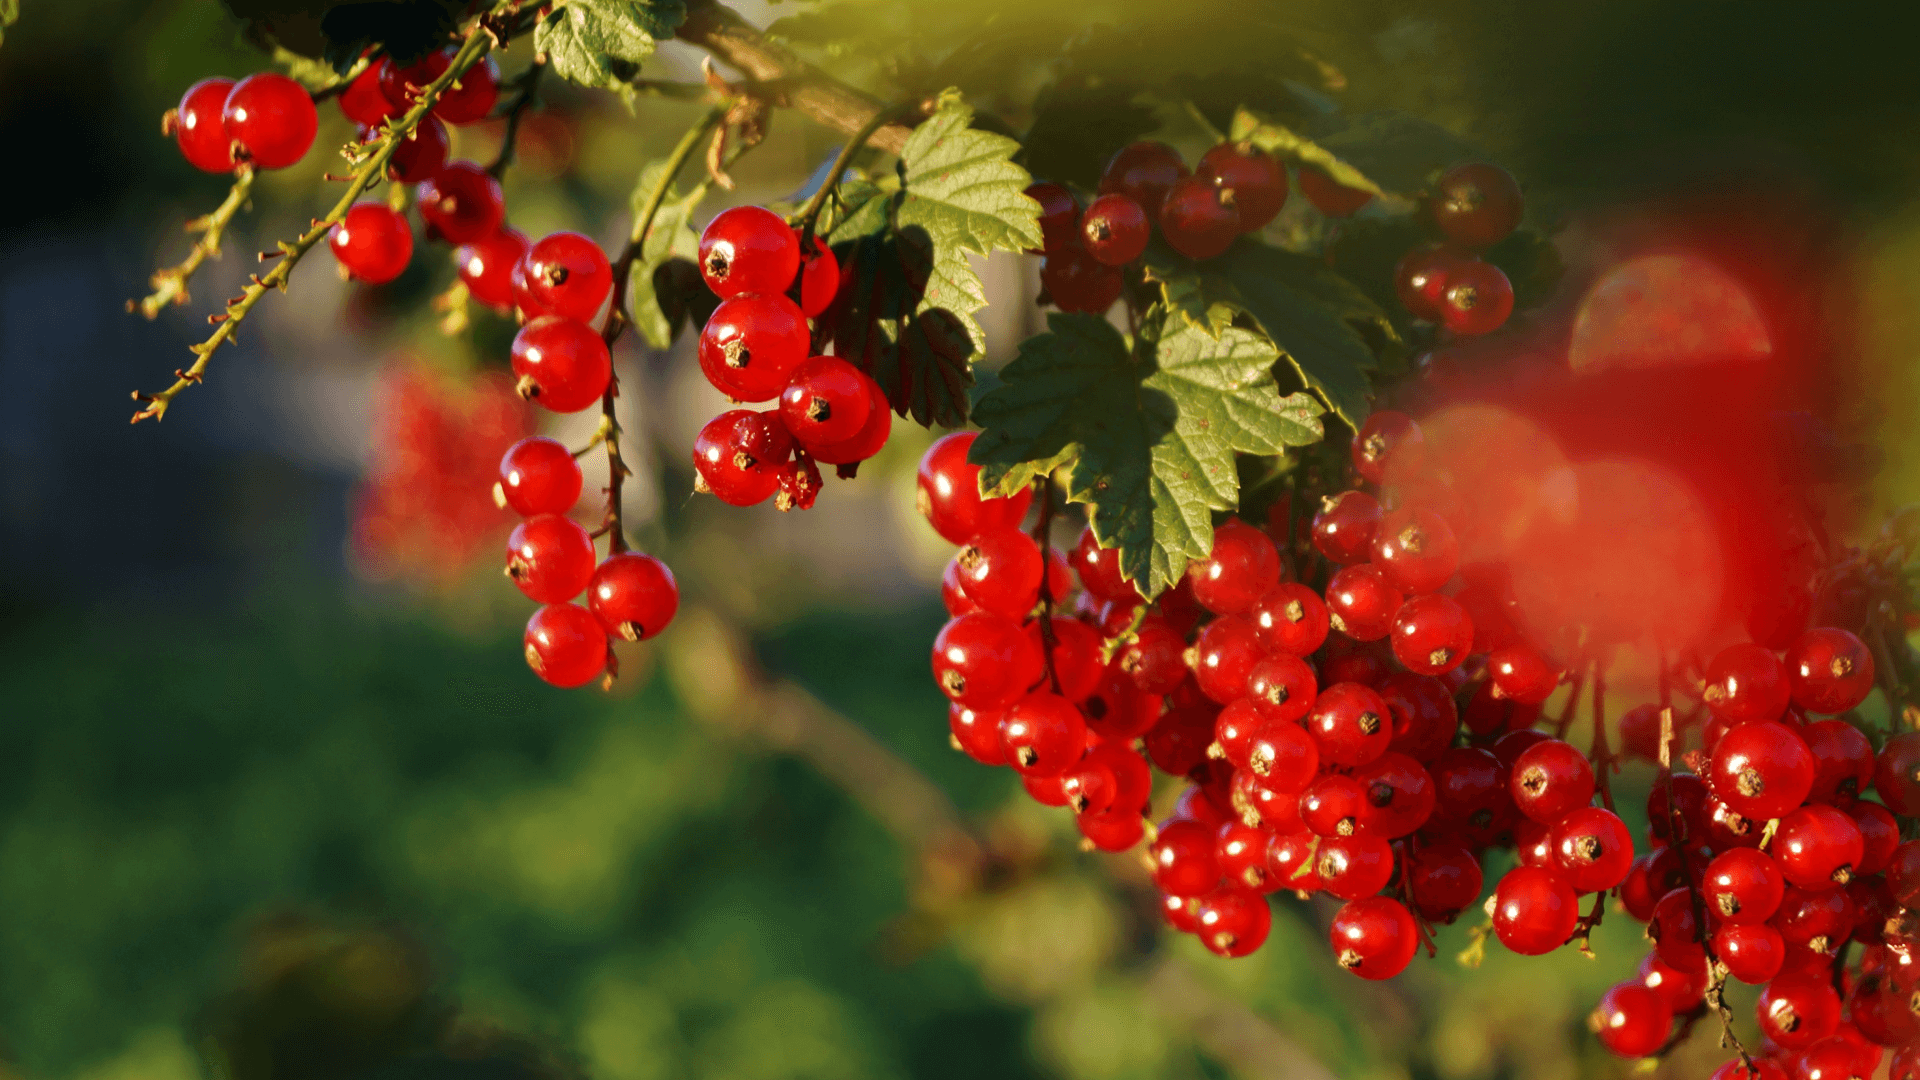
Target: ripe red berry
column 872, row 437
column 1115, row 230
column 1374, row 937
column 1834, row 1058
column 1818, row 847
column 1424, row 714
column 1199, row 219
column 1631, row 1020
column 523, row 298
column 1234, row 922
column 819, row 279
column 1431, row 634
column 461, row 203
column 984, row 661
column 1242, row 567
column 199, row 128
column 1676, row 931
column 1550, row 780
column 1330, row 197
column 1761, row 770
column 1144, row 172
column 949, row 493
column 825, row 401
column 1387, row 438
column 633, row 595
column 550, row 558
column 1400, row 796
column 565, row 645
column 1681, row 990
column 372, row 242
column 1282, row 687
column 1184, row 863
column 748, row 249
column 1351, row 867
column 1879, row 835
column 487, row 265
column 1746, row 682
column 977, row 733
column 1896, row 774
column 1743, row 885
column 1258, row 181
column 1361, row 603
column 467, row 100
column 562, row 363
column 1282, row 756
column 363, row 102
column 1420, row 279
column 1075, row 281
column 1522, row 674
column 1829, row 670
column 1798, row 1012
column 1224, row 657
column 271, row 120
column 419, row 156
column 1240, row 850
column 1344, row 528
column 1843, row 762
column 1762, row 1069
column 539, row 476
column 1234, row 729
column 1059, row 215
column 1000, row 570
column 1442, row 881
column 569, row 275
column 1290, row 860
column 1332, row 805
column 1291, row 619
column 1154, row 659
column 1416, row 550
column 1534, row 911
column 751, row 346
column 1477, row 205
column 1753, row 952
column 1043, row 735
column 1351, row 724
column 738, row 456
column 1477, row 300
column 1592, row 849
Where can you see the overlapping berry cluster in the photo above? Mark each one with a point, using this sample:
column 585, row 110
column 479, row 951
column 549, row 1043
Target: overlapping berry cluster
column 758, row 346
column 1474, row 207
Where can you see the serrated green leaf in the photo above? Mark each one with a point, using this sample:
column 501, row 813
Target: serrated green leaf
column 314, row 74
column 601, row 43
column 1400, row 153
column 670, row 235
column 1276, row 138
column 908, row 290
column 1149, row 435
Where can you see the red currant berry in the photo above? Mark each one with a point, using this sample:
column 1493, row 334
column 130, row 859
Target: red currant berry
column 1477, row 300
column 550, row 558
column 1477, row 205
column 1879, row 835
column 751, row 346
column 819, row 280
column 1345, row 527
column 1043, row 734
column 1752, row 952
column 1059, row 215
column 471, row 97
column 1132, row 777
column 1550, row 780
column 1534, row 911
column 1387, row 438
column 1742, row 886
column 749, row 249
column 977, row 733
column 372, row 242
column 1332, row 805
column 562, row 363
column 984, row 661
column 1240, row 850
column 1592, row 849
column 1330, row 197
column 1282, row 756
column 873, row 434
column 1689, row 797
column 1234, row 922
column 523, row 298
column 1224, row 657
column 1470, row 785
column 1420, row 279
column 738, row 456
column 461, row 203
column 1257, row 180
column 199, row 129
column 1351, row 724
column 1233, row 732
column 565, row 645
column 569, row 275
column 1374, row 937
column 1416, row 550
column 1144, row 172
column 362, row 102
column 825, row 401
column 419, row 156
column 1522, row 674
column 633, row 595
column 1676, row 931
column 271, row 120
column 1351, row 867
column 1896, row 774
column 487, row 265
column 1076, row 281
column 1832, row 1058
column 1154, row 659
column 949, row 494
column 1424, row 715
column 1400, row 796
column 1361, row 603
column 1181, row 913
column 1798, row 1012
column 1115, row 230
column 1431, row 634
column 1682, row 991
column 1118, row 711
column 1818, row 847
column 1761, row 770
column 1746, row 682
column 1290, row 860
column 1112, row 830
column 1178, row 742
column 1291, row 620
column 1045, row 790
column 1097, row 567
column 1843, row 762
column 1183, row 857
column 1000, row 570
column 1442, row 881
column 1639, row 728
column 1282, row 687
column 539, row 476
column 1242, row 567
column 1199, row 218
column 952, row 596
column 1631, row 1020
column 1829, row 670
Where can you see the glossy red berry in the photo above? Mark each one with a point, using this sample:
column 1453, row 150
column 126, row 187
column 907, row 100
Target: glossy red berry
column 1199, row 219
column 1681, row 990
column 949, row 493
column 1753, row 952
column 1631, row 1020
column 1834, row 1058
column 1470, row 786
column 1059, row 215
column 562, row 363
column 1075, row 281
column 1443, row 880
column 363, row 102
column 539, row 476
column 1416, row 550
column 1043, row 734
column 1388, row 438
column 1534, row 911
column 1522, row 674
column 1258, row 181
column 487, row 265
column 467, row 100
column 569, row 275
column 1762, row 1069
column 1351, row 724
column 1798, row 1012
column 1424, row 714
column 523, row 299
column 1234, row 922
column 1000, row 570
column 461, row 203
column 738, row 456
column 872, row 437
column 1374, row 937
column 1761, row 770
column 1224, row 657
column 1098, row 568
column 1290, row 860
column 984, row 661
column 1345, row 527
column 1184, row 863
column 819, row 279
column 1477, row 205
column 1351, row 867
column 1242, row 567
column 825, row 401
column 751, row 346
column 1282, row 687
column 1234, row 729
column 1115, row 230
column 1592, row 849
column 1144, row 172
column 199, row 128
column 1282, row 756
column 1361, row 603
column 1291, row 619
column 372, row 242
column 1154, row 659
column 1240, row 850
column 419, row 156
column 1829, row 671
column 1843, row 762
column 565, row 645
column 550, row 558
column 1879, row 836
column 1746, row 682
column 1332, row 805
column 977, row 733
column 749, row 249
column 1399, row 795
column 1896, row 774
column 1819, row 918
column 1431, row 634
column 633, row 595
column 1420, row 279
column 1477, row 300
column 271, row 120
column 1676, row 931
column 1551, row 779
column 1818, row 847
column 1741, row 886
column 1328, row 195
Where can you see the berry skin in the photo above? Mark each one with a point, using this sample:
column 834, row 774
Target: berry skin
column 1183, row 857
column 1682, row 991
column 1477, row 205
column 1761, row 770
column 1676, row 931
column 819, row 280
column 539, row 476
column 466, row 101
column 522, row 291
column 1000, row 570
column 1111, row 830
column 1233, row 732
column 1292, row 619
column 1763, row 1069
column 1225, row 654
column 1387, row 436
column 569, row 275
column 1076, row 281
column 873, row 434
column 1896, row 774
column 752, row 344
column 738, row 456
column 363, row 102
column 372, row 242
column 1330, row 197
column 1534, row 911
column 1115, row 230
column 1399, row 793
column 1470, row 786
column 1879, row 836
column 748, row 249
column 1351, row 724
column 565, row 645
column 1144, row 172
column 199, row 129
column 1424, row 715
column 1258, row 182
column 984, row 661
column 420, row 155
column 461, row 203
column 977, row 734
column 1431, row 634
column 1551, row 779
column 1742, row 886
column 1631, row 1020
column 1416, row 550
column 1345, row 527
column 825, row 401
column 1843, row 762
column 1199, row 219
column 562, row 363
column 1290, row 860
column 1443, row 880
column 1374, row 937
column 550, row 558
column 1477, row 300
column 1420, row 279
column 1282, row 756
column 1818, row 847
column 1282, row 688
column 1798, row 1012
column 1522, row 674
column 271, row 120
column 1592, row 849
column 1234, row 922
column 1043, row 735
column 1753, row 952
column 1059, row 215
column 1240, row 850
column 952, row 597
column 1154, row 660
column 1242, row 567
column 949, row 493
column 633, row 595
column 1351, row 867
column 1746, row 682
column 487, row 265
column 1361, row 603
column 1332, row 805
column 1829, row 671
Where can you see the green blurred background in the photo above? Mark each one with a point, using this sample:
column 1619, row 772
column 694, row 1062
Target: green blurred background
column 261, row 816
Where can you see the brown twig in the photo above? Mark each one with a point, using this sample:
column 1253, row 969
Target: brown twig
column 1578, row 684
column 170, row 284
column 529, row 84
column 1043, row 535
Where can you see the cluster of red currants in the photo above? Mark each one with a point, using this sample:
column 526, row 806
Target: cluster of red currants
column 757, row 346
column 1474, row 207
column 266, row 120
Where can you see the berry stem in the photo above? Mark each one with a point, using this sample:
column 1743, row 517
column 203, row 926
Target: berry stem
column 1601, row 754
column 529, row 84
column 1578, row 684
column 831, row 183
column 170, row 284
column 1043, row 535
column 476, row 45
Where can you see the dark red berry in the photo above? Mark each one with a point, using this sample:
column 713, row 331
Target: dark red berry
column 1477, row 205
column 1059, row 215
column 1746, row 682
column 1798, row 1012
column 1199, row 218
column 633, row 595
column 872, row 437
column 539, row 476
column 1522, row 674
column 738, row 456
column 1234, row 922
column 271, row 120
column 1743, row 885
column 1592, row 849
column 949, row 493
column 1818, row 847
column 1631, row 1020
column 1680, row 990
column 1431, row 634
column 1076, row 281
column 1829, row 671
column 1361, row 603
column 1098, row 568
column 1551, row 779
column 1420, row 279
column 487, row 264
column 1292, row 619
column 569, row 275
column 1115, row 230
column 1387, row 438
column 749, row 249
column 1144, row 172
column 461, row 203
column 363, row 102
column 1442, row 881
column 419, row 156
column 1184, row 863
column 1752, row 952
column 1345, row 527
column 372, row 242
column 977, row 733
column 1242, row 567
column 1076, row 658
column 1400, row 796
column 470, row 98
column 1843, row 762
column 565, row 645
column 1424, row 714
column 550, row 558
column 1258, row 181
column 1328, row 196
column 1896, row 774
column 1000, row 570
column 984, row 661
column 562, row 363
column 819, row 279
column 1879, row 835
column 1761, row 770
column 1676, row 931
column 1224, row 657
column 199, row 128
column 1351, row 724
column 1477, row 300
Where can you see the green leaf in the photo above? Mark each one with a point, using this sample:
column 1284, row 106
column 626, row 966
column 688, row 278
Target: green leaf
column 908, row 289
column 657, row 317
column 601, row 43
column 1276, row 138
column 1400, row 153
column 9, row 14
column 1148, row 435
column 309, row 72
